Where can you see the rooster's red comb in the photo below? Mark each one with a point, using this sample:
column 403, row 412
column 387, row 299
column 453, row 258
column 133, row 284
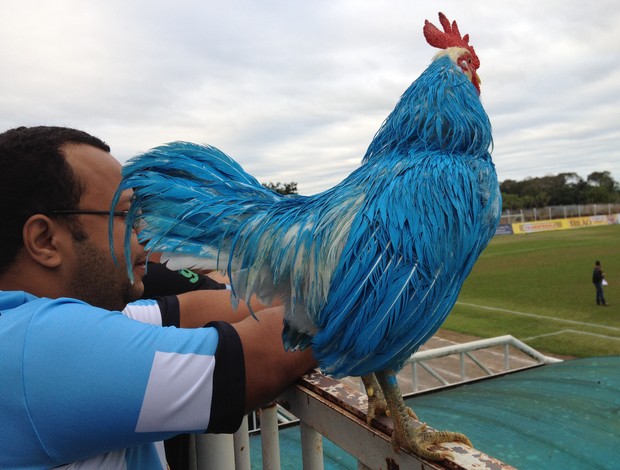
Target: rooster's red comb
column 449, row 37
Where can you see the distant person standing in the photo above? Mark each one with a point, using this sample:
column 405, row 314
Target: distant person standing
column 598, row 279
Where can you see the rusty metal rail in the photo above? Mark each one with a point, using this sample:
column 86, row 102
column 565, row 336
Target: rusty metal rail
column 338, row 412
column 327, row 407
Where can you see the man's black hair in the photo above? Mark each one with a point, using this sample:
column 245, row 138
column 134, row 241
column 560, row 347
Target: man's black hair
column 35, row 178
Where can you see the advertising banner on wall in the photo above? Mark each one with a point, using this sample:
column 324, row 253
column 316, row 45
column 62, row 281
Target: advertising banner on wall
column 504, row 229
column 562, row 224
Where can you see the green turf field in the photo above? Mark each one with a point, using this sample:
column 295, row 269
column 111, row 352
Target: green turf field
column 537, row 287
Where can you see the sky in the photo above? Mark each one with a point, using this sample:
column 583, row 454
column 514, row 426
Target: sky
column 295, row 90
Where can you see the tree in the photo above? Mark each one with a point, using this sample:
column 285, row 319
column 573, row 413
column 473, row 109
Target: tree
column 602, row 187
column 511, row 202
column 598, row 194
column 567, row 189
column 559, row 190
column 511, row 187
column 603, row 179
column 282, row 188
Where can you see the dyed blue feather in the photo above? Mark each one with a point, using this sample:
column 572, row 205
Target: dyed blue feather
column 369, row 269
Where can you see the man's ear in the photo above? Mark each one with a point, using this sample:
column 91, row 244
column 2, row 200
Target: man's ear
column 42, row 237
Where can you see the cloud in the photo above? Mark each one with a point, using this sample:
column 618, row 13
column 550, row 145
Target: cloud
column 295, row 90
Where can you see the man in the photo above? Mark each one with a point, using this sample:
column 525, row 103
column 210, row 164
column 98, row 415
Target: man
column 598, row 279
column 82, row 384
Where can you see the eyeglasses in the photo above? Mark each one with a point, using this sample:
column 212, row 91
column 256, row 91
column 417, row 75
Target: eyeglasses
column 138, row 223
column 81, row 212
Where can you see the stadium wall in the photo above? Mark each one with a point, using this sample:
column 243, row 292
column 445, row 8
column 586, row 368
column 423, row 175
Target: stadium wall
column 557, row 224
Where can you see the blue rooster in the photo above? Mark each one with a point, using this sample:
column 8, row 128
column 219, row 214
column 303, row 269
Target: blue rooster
column 367, row 270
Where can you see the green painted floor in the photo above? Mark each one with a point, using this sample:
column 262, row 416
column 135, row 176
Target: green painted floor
column 559, row 416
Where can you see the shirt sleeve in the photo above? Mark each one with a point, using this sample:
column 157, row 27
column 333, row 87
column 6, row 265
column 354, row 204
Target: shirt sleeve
column 228, row 372
column 164, row 311
column 159, row 281
column 96, row 381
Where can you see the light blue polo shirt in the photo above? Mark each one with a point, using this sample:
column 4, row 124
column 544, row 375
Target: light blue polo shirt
column 85, row 386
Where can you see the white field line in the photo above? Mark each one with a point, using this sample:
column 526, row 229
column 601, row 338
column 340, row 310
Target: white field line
column 541, row 317
column 562, row 332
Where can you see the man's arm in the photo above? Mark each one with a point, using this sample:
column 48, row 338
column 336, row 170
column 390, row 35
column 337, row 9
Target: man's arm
column 200, row 307
column 201, row 299
column 269, row 369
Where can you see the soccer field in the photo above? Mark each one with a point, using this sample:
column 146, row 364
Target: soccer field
column 538, row 288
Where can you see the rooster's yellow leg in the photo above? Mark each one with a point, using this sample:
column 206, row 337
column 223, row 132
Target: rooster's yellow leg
column 376, row 400
column 407, row 433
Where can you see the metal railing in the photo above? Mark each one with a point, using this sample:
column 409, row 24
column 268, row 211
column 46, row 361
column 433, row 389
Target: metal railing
column 465, row 353
column 330, row 408
column 558, row 212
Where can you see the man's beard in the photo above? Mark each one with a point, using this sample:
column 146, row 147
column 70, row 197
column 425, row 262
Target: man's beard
column 99, row 281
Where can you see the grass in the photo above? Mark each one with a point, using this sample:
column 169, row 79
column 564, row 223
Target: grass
column 538, row 288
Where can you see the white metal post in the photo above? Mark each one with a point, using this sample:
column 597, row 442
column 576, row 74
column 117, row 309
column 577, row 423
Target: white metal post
column 214, row 451
column 311, row 448
column 269, row 437
column 242, row 446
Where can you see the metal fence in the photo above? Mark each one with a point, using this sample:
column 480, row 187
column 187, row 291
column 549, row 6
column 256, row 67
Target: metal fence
column 558, row 212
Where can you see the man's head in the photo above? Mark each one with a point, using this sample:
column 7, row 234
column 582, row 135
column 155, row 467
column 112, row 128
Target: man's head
column 47, row 170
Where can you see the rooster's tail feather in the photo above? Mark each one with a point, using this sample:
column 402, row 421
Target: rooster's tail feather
column 192, row 199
